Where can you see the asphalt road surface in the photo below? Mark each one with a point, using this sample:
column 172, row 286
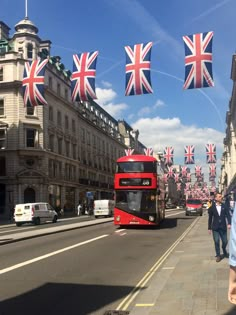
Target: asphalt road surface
column 82, row 271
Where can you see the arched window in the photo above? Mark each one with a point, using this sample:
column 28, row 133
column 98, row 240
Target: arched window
column 29, row 195
column 30, row 51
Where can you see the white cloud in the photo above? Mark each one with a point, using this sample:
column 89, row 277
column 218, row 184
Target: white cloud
column 159, row 103
column 144, row 111
column 105, row 95
column 115, row 110
column 106, row 84
column 105, row 98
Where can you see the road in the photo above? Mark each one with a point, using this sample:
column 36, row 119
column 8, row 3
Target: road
column 81, row 271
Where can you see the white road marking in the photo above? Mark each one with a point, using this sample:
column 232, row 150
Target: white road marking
column 171, row 215
column 144, row 304
column 142, row 283
column 121, row 230
column 31, row 261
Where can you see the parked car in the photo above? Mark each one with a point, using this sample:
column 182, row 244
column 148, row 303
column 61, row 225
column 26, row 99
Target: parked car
column 35, row 213
column 194, row 207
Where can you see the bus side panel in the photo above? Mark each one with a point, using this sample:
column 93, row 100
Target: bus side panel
column 124, row 218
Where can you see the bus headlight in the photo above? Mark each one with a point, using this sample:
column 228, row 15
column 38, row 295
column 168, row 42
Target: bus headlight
column 151, row 218
column 118, row 218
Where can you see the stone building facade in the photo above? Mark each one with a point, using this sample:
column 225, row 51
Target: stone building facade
column 63, row 153
column 227, row 180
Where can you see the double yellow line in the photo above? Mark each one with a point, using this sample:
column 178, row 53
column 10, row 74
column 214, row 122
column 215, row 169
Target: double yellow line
column 132, row 295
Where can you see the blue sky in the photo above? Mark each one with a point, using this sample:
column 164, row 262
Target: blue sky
column 170, row 116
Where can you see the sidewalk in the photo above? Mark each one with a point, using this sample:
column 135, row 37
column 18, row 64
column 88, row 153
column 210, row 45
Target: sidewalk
column 190, row 281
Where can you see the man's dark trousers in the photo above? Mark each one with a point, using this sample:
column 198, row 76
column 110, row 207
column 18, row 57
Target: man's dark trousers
column 216, row 237
column 217, row 223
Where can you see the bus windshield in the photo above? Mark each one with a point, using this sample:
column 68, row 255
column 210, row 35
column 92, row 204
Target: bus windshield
column 136, row 167
column 136, row 200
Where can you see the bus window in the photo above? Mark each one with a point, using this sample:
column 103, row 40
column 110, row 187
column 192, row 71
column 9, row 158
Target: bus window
column 138, row 201
column 134, row 200
column 136, row 167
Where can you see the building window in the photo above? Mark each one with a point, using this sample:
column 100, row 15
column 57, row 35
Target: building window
column 74, row 151
column 50, row 82
column 58, row 89
column 59, row 118
column 51, row 143
column 50, row 115
column 94, row 141
column 1, row 107
column 30, row 51
column 59, row 148
column 1, row 73
column 3, row 138
column 66, row 122
column 59, row 169
column 30, row 110
column 83, row 135
column 66, row 94
column 31, row 137
column 67, row 148
column 73, row 125
column 88, row 138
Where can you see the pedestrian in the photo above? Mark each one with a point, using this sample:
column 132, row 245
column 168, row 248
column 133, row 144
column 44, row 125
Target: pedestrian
column 232, row 261
column 79, row 209
column 218, row 213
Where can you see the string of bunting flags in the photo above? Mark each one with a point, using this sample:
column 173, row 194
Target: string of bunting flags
column 198, row 71
column 189, row 154
column 185, row 172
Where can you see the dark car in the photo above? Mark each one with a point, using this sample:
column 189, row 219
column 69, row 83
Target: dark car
column 194, row 207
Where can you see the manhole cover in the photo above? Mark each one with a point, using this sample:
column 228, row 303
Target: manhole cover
column 116, row 313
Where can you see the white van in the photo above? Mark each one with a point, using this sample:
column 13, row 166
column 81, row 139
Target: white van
column 35, row 213
column 104, row 208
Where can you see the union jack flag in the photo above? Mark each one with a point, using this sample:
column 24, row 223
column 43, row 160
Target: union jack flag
column 188, row 177
column 188, row 186
column 213, row 186
column 189, row 154
column 200, row 178
column 169, row 155
column 178, row 186
column 212, row 170
column 129, row 151
column 198, row 171
column 165, row 178
column 170, row 171
column 148, row 151
column 198, row 60
column 211, row 153
column 176, row 176
column 83, row 76
column 138, row 78
column 184, row 171
column 33, row 83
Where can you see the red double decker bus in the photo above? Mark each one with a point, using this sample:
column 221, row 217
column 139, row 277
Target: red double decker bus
column 139, row 191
